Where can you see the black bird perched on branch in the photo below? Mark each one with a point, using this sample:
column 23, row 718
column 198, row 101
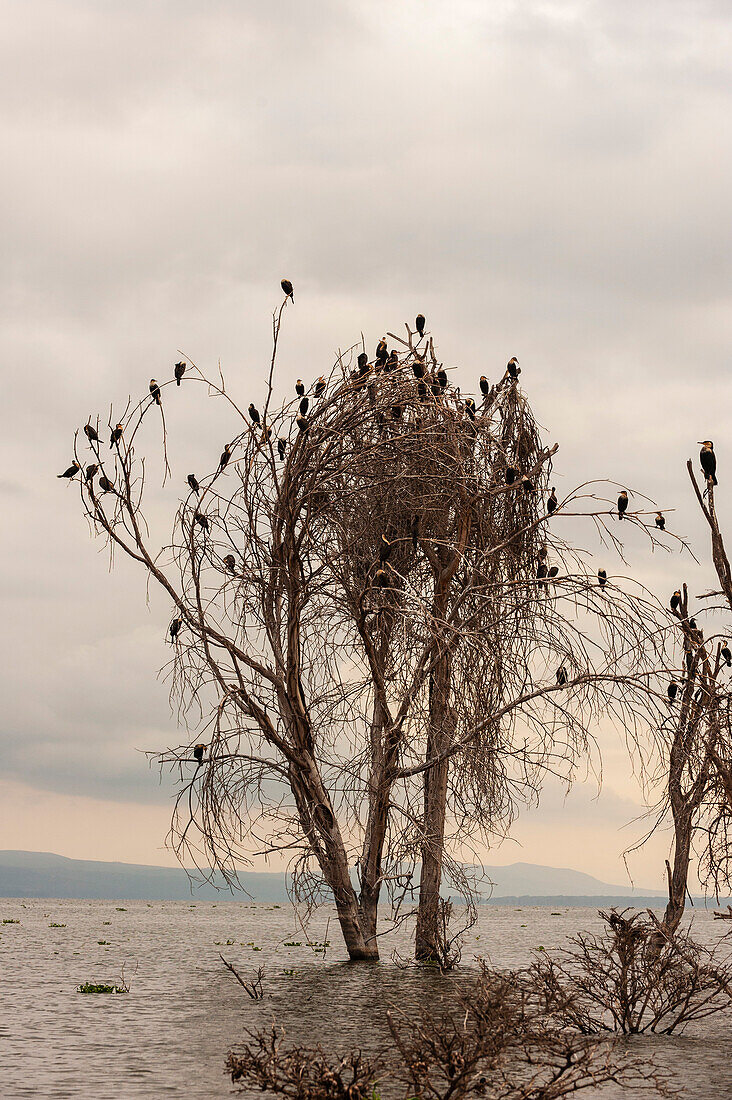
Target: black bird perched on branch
column 511, row 475
column 90, row 471
column 198, row 751
column 155, row 392
column 672, row 691
column 419, row 324
column 304, row 405
column 484, row 385
column 601, row 577
column 72, row 471
column 435, row 387
column 442, row 379
column 541, row 571
column 708, row 461
column 392, row 361
column 303, row 423
column 193, row 483
column 660, row 521
column 422, row 390
column 381, row 578
column 381, row 351
column 527, row 484
column 230, row 563
column 287, row 287
column 281, row 449
column 115, row 436
column 513, row 368
column 179, row 371
column 105, row 484
column 362, row 362
column 554, row 571
column 300, row 387
column 726, row 655
column 319, row 386
column 552, row 503
column 225, row 456
column 470, row 408
column 675, row 600
column 622, row 503
column 414, row 530
column 175, row 627
column 562, row 676
column 91, row 433
column 254, row 413
column 385, row 548
column 201, row 520
column 418, row 368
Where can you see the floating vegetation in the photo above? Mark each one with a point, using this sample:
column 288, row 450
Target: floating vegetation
column 10, row 921
column 54, row 925
column 292, row 943
column 106, row 922
column 103, row 943
column 289, row 973
column 120, row 910
column 91, row 987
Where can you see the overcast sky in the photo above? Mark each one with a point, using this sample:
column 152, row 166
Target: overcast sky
column 549, row 180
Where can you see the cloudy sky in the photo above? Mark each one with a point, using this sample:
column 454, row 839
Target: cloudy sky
column 543, row 179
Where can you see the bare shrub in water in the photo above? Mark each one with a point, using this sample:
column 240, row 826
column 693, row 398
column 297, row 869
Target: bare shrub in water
column 632, row 978
column 300, row 1073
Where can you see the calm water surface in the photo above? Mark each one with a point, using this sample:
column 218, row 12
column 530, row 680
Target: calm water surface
column 170, row 1035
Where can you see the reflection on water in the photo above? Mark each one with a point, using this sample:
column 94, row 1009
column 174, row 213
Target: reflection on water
column 171, row 1033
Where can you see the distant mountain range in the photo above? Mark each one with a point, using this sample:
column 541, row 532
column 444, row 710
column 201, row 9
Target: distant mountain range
column 44, row 875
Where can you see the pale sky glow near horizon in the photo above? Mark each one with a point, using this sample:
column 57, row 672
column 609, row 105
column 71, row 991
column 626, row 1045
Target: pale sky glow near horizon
column 549, row 180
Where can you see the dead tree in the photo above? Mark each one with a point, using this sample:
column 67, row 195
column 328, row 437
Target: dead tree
column 368, row 602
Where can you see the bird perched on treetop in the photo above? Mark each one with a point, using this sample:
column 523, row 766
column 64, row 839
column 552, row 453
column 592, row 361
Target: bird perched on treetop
column 513, row 368
column 660, row 521
column 418, row 368
column 254, row 413
column 287, row 287
column 155, row 392
column 381, row 351
column 105, row 484
column 708, row 461
column 362, row 362
column 175, row 627
column 193, row 483
column 201, row 520
column 72, row 470
column 225, row 456
column 484, row 385
column 562, row 676
column 726, row 654
column 91, row 433
column 319, row 386
column 302, row 422
column 622, row 503
column 179, row 371
column 299, row 387
column 115, row 436
column 675, row 599
column 552, row 503
column 442, row 379
column 281, row 449
column 198, row 751
column 304, row 405
column 419, row 324
column 601, row 577
column 90, row 471
column 392, row 360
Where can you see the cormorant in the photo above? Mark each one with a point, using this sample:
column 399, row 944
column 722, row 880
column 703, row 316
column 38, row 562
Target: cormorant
column 435, row 387
column 72, row 470
column 541, row 571
column 422, row 390
column 385, row 548
column 622, row 503
column 484, row 385
column 470, row 408
column 419, row 324
column 90, row 471
column 554, row 571
column 562, row 676
column 672, row 691
column 418, row 368
column 726, row 655
column 511, row 475
column 319, row 386
column 193, row 483
column 601, row 577
column 675, row 599
column 552, row 503
column 230, row 563
column 281, row 449
column 414, row 530
column 381, row 578
column 116, row 436
column 692, row 624
column 254, row 413
column 362, row 362
column 513, row 367
column 304, row 405
column 175, row 627
column 708, row 461
column 179, row 371
column 302, row 422
column 392, row 361
column 660, row 521
column 225, row 456
column 105, row 484
column 91, row 433
column 201, row 520
column 198, row 751
column 527, row 484
column 287, row 287
column 381, row 351
column 442, row 379
column 155, row 392
column 300, row 387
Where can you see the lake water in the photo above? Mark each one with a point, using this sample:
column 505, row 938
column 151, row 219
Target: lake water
column 170, row 1035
